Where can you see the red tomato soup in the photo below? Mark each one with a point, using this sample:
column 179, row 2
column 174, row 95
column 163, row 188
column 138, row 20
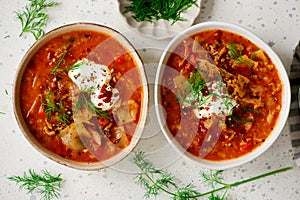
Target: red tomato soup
column 222, row 95
column 81, row 96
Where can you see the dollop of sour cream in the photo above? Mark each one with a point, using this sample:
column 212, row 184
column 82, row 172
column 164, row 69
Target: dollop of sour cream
column 218, row 102
column 95, row 78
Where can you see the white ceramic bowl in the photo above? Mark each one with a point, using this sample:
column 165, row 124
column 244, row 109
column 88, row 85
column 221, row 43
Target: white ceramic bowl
column 285, row 97
column 160, row 29
column 16, row 99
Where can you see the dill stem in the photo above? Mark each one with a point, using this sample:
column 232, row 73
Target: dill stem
column 231, row 185
column 163, row 189
column 154, row 182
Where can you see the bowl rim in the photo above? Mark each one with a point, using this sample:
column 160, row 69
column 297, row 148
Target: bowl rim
column 286, row 95
column 144, row 103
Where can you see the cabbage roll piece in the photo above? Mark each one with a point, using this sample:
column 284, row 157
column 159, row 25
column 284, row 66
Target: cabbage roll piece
column 83, row 132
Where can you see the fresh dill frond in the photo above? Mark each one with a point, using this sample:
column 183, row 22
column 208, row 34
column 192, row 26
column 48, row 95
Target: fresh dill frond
column 58, row 63
column 233, row 52
column 156, row 181
column 193, row 90
column 216, row 197
column 75, row 66
column 47, row 185
column 237, row 55
column 187, row 192
column 241, row 117
column 63, row 116
column 33, row 18
column 212, row 177
column 147, row 175
column 84, row 101
column 50, row 107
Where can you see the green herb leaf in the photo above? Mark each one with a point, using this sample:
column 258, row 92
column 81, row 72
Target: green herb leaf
column 240, row 119
column 194, row 90
column 75, row 66
column 236, row 54
column 233, row 52
column 156, row 181
column 83, row 101
column 59, row 62
column 33, row 18
column 50, row 107
column 152, row 10
column 46, row 184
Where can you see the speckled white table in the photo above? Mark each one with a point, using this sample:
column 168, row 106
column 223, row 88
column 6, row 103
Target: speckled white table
column 277, row 22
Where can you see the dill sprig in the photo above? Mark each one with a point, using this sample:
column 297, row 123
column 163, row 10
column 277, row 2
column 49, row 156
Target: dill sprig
column 240, row 118
column 195, row 85
column 156, row 181
column 58, row 63
column 33, row 18
column 84, row 101
column 151, row 10
column 56, row 69
column 50, row 107
column 75, row 66
column 237, row 55
column 46, row 184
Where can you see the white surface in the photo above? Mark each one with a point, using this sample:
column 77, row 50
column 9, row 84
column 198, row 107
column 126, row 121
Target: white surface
column 276, row 22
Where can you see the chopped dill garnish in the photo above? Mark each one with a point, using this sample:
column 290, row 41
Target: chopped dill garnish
column 236, row 54
column 76, row 65
column 84, row 101
column 59, row 62
column 193, row 90
column 152, row 10
column 240, row 119
column 50, row 107
column 46, row 184
column 156, row 181
column 56, row 69
column 33, row 18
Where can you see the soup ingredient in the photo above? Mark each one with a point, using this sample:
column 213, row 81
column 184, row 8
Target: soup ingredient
column 50, row 106
column 235, row 52
column 33, row 18
column 83, row 101
column 59, row 62
column 207, row 99
column 157, row 180
column 46, row 184
column 95, row 78
column 152, row 10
